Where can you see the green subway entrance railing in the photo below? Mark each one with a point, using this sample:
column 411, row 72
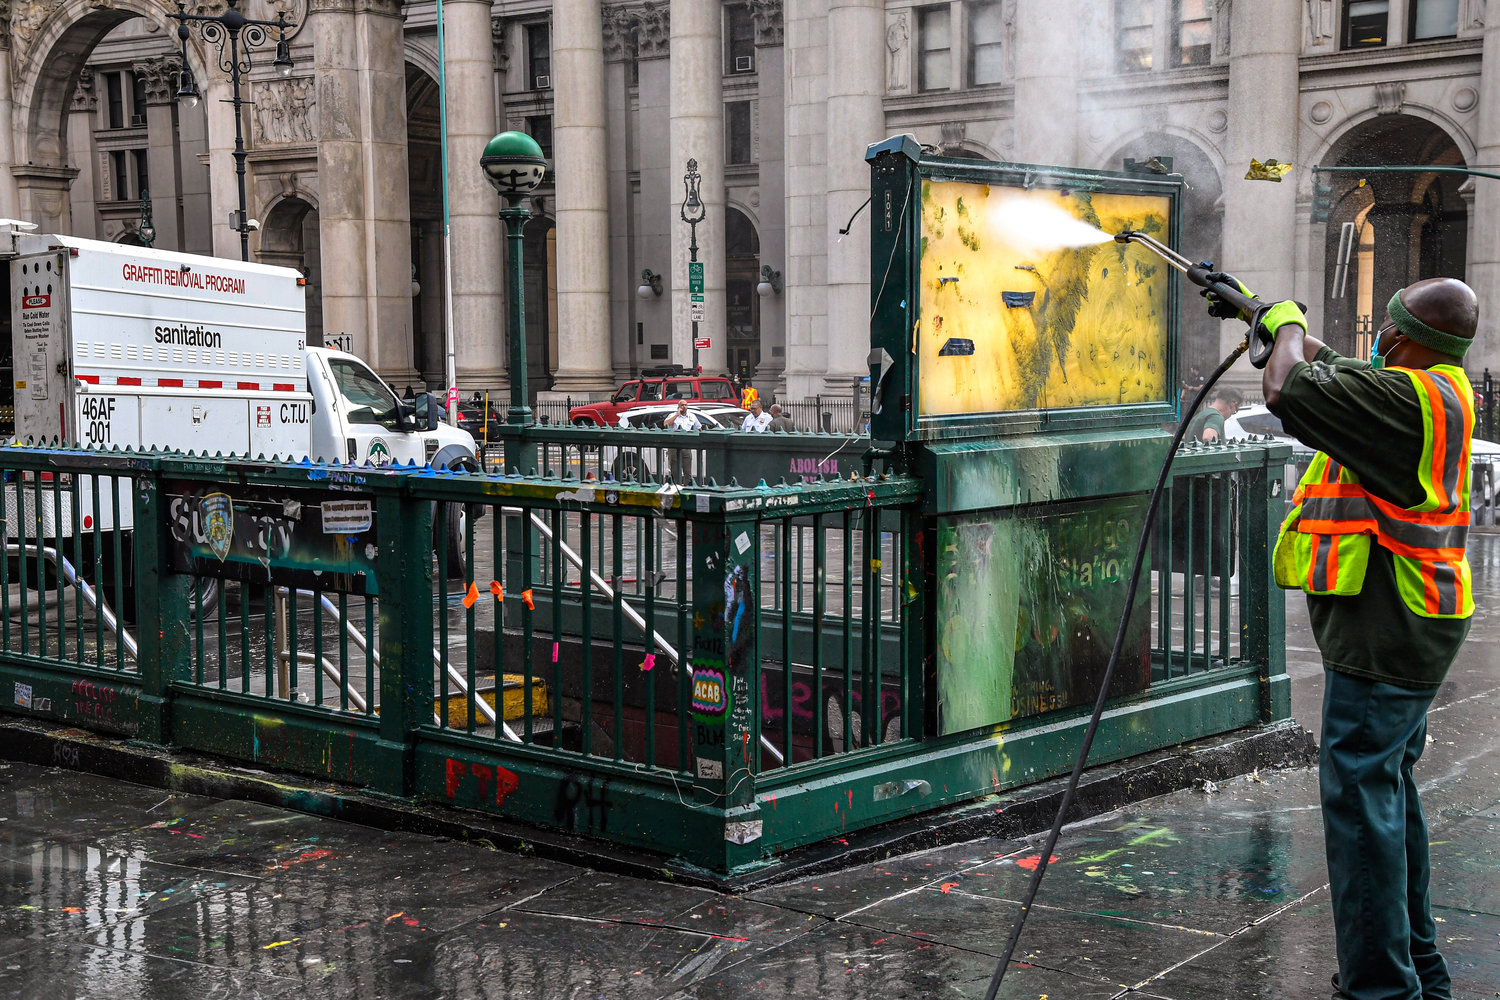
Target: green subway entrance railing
column 715, row 672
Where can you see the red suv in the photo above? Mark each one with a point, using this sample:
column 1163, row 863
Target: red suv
column 649, row 391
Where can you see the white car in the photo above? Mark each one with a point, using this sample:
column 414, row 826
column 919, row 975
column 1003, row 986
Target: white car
column 659, row 460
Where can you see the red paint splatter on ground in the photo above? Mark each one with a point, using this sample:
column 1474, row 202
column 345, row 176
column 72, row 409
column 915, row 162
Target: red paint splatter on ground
column 304, row 857
column 949, row 886
column 1030, row 863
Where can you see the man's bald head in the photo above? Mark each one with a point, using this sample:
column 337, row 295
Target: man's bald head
column 1445, row 304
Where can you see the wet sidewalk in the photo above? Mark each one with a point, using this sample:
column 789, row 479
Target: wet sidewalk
column 115, row 890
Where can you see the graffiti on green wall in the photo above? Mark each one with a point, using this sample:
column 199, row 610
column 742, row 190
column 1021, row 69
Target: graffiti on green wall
column 1027, row 608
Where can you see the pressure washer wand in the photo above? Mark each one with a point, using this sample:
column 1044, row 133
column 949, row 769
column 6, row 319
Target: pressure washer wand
column 1257, row 339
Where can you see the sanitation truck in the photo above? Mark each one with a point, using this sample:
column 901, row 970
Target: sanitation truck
column 131, row 347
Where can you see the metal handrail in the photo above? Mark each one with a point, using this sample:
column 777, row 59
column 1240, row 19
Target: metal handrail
column 70, row 575
column 630, row 612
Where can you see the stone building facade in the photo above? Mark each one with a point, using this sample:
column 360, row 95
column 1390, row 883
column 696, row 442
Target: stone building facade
column 775, row 101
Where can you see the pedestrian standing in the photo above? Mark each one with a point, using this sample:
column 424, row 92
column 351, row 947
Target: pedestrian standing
column 780, row 424
column 682, row 420
column 1208, row 423
column 1377, row 539
column 757, row 419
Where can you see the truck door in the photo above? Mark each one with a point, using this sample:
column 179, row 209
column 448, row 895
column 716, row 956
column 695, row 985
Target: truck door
column 373, row 430
column 38, row 315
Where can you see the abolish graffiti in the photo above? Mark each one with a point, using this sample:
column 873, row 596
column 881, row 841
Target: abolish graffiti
column 180, row 278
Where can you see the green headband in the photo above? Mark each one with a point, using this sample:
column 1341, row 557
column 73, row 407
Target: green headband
column 1427, row 336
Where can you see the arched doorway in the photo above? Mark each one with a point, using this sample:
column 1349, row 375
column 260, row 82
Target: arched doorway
column 1386, row 229
column 741, row 303
column 94, row 94
column 289, row 238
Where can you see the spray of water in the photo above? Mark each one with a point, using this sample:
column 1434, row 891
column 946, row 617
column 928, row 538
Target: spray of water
column 1035, row 225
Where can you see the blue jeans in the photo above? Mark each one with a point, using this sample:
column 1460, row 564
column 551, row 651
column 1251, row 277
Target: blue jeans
column 1375, row 835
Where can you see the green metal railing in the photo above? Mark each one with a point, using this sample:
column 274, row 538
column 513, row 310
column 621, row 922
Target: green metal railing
column 714, row 671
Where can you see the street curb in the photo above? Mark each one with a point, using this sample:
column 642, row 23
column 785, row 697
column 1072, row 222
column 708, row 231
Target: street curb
column 1014, row 814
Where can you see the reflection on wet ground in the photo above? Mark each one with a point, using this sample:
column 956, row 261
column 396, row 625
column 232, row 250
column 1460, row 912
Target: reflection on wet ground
column 113, row 890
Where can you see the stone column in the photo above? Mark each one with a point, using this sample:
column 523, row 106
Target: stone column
column 162, row 76
column 477, row 265
column 697, row 133
column 624, row 276
column 341, row 172
column 660, row 186
column 806, row 271
column 1484, row 220
column 364, row 206
column 771, row 122
column 388, row 195
column 1047, row 66
column 856, row 118
column 10, row 196
column 83, row 119
column 1260, row 218
column 579, row 138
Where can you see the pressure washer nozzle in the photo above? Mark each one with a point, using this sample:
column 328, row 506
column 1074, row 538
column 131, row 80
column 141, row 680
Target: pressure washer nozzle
column 1126, row 236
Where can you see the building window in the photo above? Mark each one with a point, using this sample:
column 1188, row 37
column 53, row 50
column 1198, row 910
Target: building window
column 1366, row 23
column 119, row 175
column 1133, row 24
column 737, row 130
column 986, row 30
column 739, row 37
column 114, row 100
column 935, row 48
column 539, row 55
column 1432, row 19
column 539, row 127
column 137, row 99
column 142, row 180
column 1195, row 32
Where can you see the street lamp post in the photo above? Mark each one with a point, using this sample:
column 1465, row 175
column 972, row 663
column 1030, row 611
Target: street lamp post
column 693, row 212
column 146, row 228
column 514, row 165
column 234, row 35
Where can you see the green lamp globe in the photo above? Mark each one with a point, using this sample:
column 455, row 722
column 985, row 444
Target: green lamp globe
column 514, row 164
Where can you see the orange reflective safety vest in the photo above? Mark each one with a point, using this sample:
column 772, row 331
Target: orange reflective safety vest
column 1324, row 545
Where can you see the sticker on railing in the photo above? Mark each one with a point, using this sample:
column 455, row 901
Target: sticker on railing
column 710, row 769
column 742, row 542
column 347, row 517
column 709, row 697
column 23, row 695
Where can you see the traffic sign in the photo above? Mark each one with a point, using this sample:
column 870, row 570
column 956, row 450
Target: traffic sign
column 703, row 343
column 696, row 312
column 697, row 297
column 695, row 277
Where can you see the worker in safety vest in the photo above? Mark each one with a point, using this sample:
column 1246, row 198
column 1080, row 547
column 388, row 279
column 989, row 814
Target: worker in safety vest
column 1376, row 538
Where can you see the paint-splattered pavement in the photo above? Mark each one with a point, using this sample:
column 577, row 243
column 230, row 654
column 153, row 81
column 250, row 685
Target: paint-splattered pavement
column 114, row 890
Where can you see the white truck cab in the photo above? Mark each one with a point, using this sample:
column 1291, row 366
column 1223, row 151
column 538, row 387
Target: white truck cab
column 131, row 347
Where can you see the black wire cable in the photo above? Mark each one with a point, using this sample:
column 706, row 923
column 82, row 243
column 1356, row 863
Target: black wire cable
column 1109, row 672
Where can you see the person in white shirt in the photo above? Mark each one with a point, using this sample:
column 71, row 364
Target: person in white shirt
column 757, row 420
column 682, row 420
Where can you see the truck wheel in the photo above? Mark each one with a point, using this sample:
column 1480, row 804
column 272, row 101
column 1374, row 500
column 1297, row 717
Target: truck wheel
column 203, row 599
column 627, row 466
column 450, row 523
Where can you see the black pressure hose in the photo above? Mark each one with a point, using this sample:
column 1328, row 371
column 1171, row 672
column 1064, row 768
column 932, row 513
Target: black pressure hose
column 1109, row 672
